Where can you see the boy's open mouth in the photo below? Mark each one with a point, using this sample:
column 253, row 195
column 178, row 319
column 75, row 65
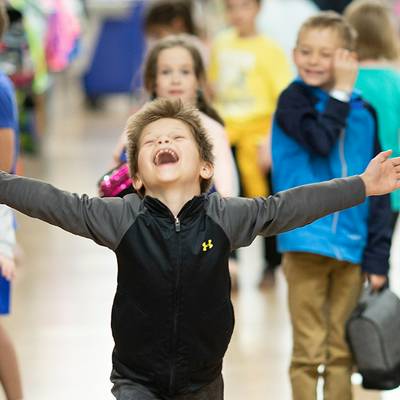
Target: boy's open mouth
column 313, row 72
column 165, row 156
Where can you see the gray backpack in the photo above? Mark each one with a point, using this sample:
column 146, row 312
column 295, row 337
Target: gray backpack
column 373, row 333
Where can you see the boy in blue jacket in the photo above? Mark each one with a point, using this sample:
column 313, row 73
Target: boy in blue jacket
column 323, row 130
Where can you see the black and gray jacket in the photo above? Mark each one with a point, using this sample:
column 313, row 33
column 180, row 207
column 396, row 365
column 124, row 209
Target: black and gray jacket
column 172, row 317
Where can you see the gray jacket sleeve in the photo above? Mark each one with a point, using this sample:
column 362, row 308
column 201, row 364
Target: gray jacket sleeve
column 7, row 232
column 243, row 219
column 103, row 220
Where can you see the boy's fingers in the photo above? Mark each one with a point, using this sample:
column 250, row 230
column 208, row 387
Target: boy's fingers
column 396, row 161
column 384, row 155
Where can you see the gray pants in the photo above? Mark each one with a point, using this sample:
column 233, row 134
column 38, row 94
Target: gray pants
column 125, row 389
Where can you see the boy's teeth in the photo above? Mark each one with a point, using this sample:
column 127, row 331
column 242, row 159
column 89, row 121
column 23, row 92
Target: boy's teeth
column 164, row 151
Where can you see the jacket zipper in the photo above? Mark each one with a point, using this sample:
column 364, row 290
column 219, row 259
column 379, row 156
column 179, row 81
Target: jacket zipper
column 175, row 326
column 177, row 225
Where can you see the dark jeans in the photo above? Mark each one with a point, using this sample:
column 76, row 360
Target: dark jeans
column 125, row 389
column 272, row 257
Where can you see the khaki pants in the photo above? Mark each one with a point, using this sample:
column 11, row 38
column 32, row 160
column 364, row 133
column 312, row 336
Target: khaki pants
column 322, row 293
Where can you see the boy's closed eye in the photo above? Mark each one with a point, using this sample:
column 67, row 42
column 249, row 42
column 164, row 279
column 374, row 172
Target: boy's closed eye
column 304, row 52
column 327, row 54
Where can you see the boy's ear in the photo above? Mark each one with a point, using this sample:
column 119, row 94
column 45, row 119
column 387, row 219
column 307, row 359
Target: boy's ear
column 206, row 170
column 137, row 183
column 294, row 55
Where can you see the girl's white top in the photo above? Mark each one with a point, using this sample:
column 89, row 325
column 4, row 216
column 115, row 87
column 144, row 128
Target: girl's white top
column 226, row 179
column 7, row 231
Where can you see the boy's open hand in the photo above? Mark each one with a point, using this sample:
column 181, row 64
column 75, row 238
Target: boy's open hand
column 7, row 267
column 345, row 70
column 382, row 174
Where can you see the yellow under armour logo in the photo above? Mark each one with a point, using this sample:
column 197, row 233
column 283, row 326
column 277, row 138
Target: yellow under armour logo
column 208, row 245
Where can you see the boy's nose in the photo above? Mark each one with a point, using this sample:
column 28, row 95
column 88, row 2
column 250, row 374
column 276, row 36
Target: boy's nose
column 313, row 59
column 163, row 140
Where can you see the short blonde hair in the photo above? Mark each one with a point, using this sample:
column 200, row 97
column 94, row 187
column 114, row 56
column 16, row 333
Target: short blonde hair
column 376, row 32
column 331, row 20
column 166, row 108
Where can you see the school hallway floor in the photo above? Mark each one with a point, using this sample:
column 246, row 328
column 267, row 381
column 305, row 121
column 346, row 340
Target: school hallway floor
column 63, row 293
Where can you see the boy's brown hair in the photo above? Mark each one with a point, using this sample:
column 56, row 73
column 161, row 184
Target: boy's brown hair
column 166, row 108
column 331, row 20
column 3, row 18
column 376, row 32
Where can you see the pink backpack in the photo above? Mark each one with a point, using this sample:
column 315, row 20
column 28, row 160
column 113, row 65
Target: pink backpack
column 116, row 182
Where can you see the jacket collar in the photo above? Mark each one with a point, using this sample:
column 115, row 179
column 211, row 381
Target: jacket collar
column 158, row 208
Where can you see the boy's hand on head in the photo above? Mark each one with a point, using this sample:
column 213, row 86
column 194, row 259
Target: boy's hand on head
column 7, row 267
column 345, row 70
column 382, row 174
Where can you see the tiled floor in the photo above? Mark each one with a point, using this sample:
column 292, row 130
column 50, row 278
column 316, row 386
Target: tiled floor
column 65, row 285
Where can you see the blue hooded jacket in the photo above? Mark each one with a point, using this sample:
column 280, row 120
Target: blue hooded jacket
column 315, row 138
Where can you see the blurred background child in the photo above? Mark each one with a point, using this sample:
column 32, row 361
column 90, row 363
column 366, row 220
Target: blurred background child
column 327, row 131
column 9, row 371
column 247, row 72
column 173, row 17
column 377, row 47
column 174, row 69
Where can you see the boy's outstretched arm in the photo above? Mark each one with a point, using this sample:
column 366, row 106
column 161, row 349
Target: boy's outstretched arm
column 102, row 220
column 382, row 174
column 244, row 219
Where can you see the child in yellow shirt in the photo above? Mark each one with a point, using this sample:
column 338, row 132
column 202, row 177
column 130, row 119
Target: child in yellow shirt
column 247, row 71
